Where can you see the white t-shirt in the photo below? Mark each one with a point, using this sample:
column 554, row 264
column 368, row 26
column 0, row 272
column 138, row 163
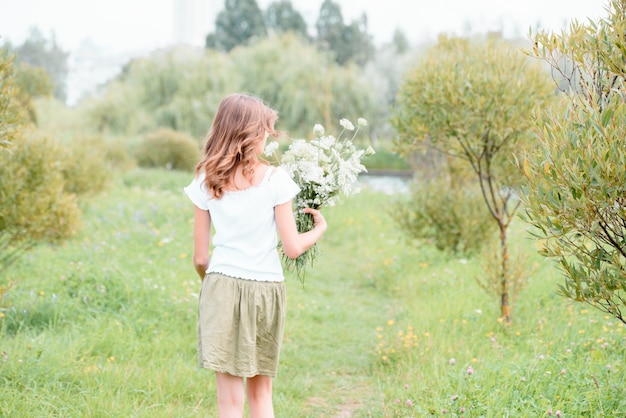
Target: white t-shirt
column 245, row 242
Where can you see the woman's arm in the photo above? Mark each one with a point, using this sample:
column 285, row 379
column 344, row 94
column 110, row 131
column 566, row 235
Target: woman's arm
column 201, row 240
column 295, row 243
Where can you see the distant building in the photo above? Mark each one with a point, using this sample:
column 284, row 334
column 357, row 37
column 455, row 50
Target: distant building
column 192, row 20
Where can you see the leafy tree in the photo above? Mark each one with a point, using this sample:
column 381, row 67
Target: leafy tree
column 303, row 83
column 576, row 188
column 385, row 72
column 38, row 51
column 34, row 205
column 240, row 21
column 11, row 115
column 400, row 41
column 175, row 88
column 32, row 82
column 329, row 25
column 348, row 43
column 280, row 16
column 473, row 99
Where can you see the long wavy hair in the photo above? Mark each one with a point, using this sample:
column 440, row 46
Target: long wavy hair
column 241, row 121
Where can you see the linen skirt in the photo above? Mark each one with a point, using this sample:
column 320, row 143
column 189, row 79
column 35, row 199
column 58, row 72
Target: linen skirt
column 240, row 325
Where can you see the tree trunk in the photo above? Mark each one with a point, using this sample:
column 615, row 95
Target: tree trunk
column 505, row 308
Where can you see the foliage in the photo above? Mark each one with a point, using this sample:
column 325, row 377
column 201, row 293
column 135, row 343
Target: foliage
column 34, row 204
column 169, row 149
column 86, row 168
column 575, row 178
column 305, row 85
column 176, row 88
column 347, row 42
column 281, row 17
column 474, row 99
column 180, row 88
column 384, row 72
column 451, row 217
column 11, row 115
column 32, row 82
column 400, row 42
column 237, row 24
column 116, row 110
column 40, row 52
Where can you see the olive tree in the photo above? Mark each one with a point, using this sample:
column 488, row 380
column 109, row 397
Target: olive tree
column 473, row 99
column 575, row 193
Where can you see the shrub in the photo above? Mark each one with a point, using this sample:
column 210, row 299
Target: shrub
column 454, row 219
column 169, row 149
column 34, row 205
column 85, row 167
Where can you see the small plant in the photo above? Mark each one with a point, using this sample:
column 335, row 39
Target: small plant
column 454, row 219
column 169, row 149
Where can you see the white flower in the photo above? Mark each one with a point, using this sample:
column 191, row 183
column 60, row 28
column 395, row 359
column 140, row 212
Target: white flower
column 346, row 124
column 318, row 130
column 370, row 151
column 325, row 169
column 361, row 123
column 270, row 148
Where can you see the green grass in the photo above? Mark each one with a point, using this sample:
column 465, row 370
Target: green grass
column 104, row 325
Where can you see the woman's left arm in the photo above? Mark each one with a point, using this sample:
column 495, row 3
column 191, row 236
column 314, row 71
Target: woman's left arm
column 201, row 240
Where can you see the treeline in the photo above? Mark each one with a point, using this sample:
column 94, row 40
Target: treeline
column 242, row 20
column 179, row 88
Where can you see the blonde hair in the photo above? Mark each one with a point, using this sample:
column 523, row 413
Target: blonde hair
column 241, row 121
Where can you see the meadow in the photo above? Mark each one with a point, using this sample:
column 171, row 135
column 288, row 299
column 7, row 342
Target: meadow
column 104, row 324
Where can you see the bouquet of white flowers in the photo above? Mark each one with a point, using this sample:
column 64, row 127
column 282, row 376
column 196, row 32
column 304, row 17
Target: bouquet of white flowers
column 324, row 169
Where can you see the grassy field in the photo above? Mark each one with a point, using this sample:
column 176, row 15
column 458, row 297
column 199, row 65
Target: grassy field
column 104, row 325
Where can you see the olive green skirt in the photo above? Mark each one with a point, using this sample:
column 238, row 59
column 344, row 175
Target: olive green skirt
column 240, row 325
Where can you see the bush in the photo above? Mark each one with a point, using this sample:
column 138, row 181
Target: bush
column 454, row 219
column 166, row 148
column 34, row 205
column 85, row 167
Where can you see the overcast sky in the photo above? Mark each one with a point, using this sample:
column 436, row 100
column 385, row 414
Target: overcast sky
column 126, row 25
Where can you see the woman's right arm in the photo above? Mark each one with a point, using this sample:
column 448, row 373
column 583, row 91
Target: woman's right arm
column 295, row 243
column 201, row 240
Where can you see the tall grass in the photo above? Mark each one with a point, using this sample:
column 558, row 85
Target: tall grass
column 104, row 325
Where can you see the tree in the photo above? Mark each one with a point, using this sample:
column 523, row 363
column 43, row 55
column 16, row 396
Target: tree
column 178, row 88
column 38, row 51
column 240, row 21
column 303, row 83
column 473, row 99
column 34, row 205
column 400, row 41
column 32, row 82
column 11, row 115
column 575, row 190
column 348, row 43
column 280, row 17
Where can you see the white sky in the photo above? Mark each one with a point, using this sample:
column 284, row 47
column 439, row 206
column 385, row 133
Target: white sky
column 127, row 25
column 102, row 35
